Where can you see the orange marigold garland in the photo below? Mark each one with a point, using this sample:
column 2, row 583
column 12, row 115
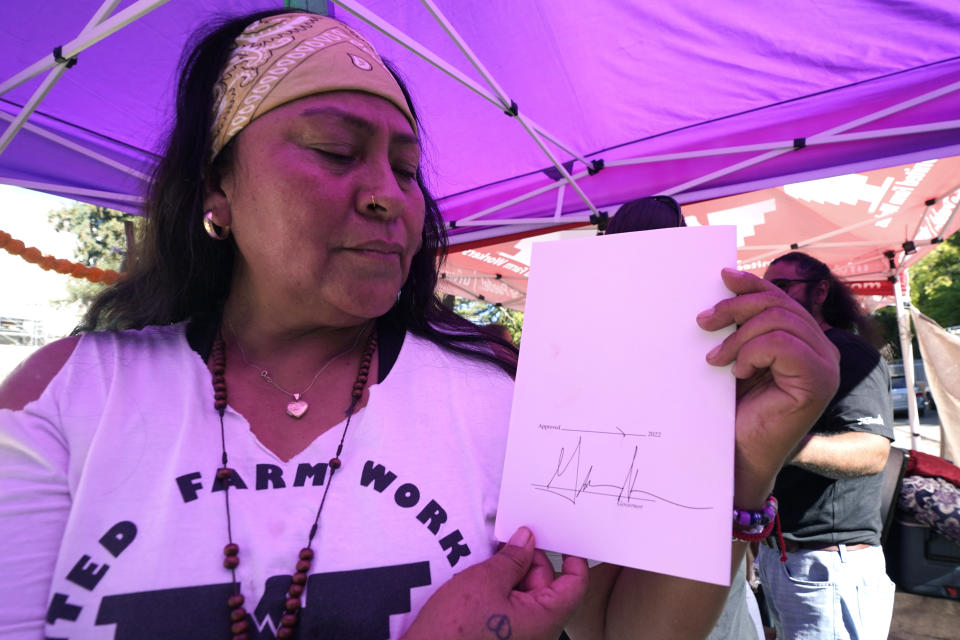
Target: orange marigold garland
column 50, row 263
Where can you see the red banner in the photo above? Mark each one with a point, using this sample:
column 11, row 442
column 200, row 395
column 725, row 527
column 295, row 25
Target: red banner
column 871, row 287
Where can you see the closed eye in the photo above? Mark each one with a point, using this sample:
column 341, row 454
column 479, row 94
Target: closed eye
column 338, row 158
column 407, row 174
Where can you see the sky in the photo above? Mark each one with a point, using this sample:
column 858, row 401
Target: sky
column 26, row 290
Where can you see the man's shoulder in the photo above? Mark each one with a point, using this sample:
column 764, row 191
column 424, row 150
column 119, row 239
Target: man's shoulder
column 854, row 349
column 850, row 341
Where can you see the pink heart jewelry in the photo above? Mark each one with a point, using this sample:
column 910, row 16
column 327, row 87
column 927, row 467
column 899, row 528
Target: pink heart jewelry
column 297, row 408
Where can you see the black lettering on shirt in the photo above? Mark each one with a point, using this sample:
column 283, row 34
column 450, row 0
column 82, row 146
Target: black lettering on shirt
column 378, row 475
column 433, row 514
column 316, row 471
column 119, row 537
column 233, row 480
column 456, row 550
column 269, row 474
column 189, row 486
column 407, row 495
column 86, row 573
column 60, row 609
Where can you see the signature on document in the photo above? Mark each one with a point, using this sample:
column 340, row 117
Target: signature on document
column 573, row 477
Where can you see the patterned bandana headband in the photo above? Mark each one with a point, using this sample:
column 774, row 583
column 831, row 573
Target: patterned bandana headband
column 282, row 58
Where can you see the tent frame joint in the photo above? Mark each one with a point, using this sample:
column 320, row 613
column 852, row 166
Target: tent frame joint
column 600, row 219
column 58, row 56
column 596, row 166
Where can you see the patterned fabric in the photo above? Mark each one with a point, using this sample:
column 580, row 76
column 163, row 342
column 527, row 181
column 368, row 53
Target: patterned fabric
column 282, row 58
column 933, row 501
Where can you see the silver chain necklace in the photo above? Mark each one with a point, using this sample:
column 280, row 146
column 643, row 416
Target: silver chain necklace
column 298, row 407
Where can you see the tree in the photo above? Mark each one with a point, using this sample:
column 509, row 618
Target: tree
column 934, row 290
column 101, row 242
column 484, row 313
column 886, row 319
column 935, row 283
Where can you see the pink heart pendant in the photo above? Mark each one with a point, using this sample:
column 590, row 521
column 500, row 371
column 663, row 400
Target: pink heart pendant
column 297, row 408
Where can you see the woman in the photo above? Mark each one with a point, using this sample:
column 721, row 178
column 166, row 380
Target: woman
column 171, row 471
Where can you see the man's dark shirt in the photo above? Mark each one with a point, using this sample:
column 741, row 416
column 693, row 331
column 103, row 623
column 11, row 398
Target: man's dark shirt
column 814, row 508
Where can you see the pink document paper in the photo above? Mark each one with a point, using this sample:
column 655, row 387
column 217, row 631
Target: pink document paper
column 621, row 437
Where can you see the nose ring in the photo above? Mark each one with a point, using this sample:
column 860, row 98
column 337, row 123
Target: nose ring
column 374, row 205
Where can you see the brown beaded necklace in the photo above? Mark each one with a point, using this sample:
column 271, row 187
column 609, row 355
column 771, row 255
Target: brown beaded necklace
column 238, row 615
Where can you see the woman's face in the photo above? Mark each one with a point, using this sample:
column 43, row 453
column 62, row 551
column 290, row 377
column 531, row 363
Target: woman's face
column 299, row 193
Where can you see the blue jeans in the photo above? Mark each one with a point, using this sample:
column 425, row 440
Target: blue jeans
column 828, row 595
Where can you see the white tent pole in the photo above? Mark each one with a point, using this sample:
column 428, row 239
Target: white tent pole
column 927, row 209
column 449, row 281
column 87, row 38
column 468, row 53
column 73, row 146
column 819, row 137
column 719, row 173
column 492, row 233
column 41, row 92
column 52, row 78
column 946, row 225
column 521, row 198
column 945, row 125
column 76, row 191
column 585, row 219
column 702, row 153
column 883, row 113
column 429, row 56
column 557, row 164
column 906, row 350
column 503, row 101
column 711, row 193
column 817, row 239
column 902, row 267
column 558, row 211
column 687, row 196
column 825, row 245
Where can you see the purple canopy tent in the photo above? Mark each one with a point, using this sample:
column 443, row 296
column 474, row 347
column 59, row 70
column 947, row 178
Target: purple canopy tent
column 695, row 99
column 537, row 113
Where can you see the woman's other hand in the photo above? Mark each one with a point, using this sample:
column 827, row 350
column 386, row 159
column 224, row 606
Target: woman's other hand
column 513, row 594
column 787, row 371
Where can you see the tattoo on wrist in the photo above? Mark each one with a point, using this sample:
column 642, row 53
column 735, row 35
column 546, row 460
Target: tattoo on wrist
column 499, row 625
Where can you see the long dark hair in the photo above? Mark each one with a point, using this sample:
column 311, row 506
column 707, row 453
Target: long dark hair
column 179, row 272
column 840, row 308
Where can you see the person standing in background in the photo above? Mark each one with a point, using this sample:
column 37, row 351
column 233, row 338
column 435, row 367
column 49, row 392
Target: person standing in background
column 833, row 583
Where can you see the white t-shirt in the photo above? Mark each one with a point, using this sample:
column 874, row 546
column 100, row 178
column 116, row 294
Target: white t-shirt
column 112, row 523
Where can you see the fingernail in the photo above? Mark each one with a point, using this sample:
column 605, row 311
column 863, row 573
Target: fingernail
column 703, row 315
column 520, row 538
column 713, row 352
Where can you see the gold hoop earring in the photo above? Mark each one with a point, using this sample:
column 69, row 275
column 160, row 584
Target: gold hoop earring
column 214, row 230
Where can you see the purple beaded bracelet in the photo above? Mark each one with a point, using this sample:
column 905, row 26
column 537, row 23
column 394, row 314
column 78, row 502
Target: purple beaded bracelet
column 754, row 522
